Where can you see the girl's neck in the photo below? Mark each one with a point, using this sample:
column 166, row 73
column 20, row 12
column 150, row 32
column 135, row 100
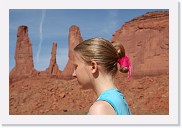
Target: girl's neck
column 102, row 83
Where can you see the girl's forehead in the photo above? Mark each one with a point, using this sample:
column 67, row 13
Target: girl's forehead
column 76, row 57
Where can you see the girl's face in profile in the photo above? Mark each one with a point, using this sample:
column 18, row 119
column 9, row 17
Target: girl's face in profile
column 81, row 71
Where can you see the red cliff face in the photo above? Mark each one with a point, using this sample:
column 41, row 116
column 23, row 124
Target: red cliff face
column 74, row 39
column 146, row 41
column 53, row 69
column 23, row 56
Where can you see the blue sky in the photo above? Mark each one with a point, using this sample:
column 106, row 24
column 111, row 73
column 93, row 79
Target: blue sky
column 48, row 26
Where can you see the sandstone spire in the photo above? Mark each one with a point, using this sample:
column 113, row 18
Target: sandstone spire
column 53, row 69
column 23, row 56
column 74, row 39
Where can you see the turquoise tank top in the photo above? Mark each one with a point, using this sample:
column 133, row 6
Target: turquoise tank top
column 116, row 99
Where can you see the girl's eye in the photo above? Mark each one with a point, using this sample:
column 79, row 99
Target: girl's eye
column 75, row 67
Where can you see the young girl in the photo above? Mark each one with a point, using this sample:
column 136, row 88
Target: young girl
column 95, row 61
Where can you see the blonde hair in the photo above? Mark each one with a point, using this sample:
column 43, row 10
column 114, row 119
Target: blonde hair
column 101, row 51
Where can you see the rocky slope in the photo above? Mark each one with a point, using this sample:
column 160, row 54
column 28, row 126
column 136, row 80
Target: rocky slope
column 145, row 95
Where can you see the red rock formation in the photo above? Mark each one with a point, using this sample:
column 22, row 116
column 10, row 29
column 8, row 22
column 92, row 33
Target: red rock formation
column 74, row 39
column 146, row 41
column 53, row 69
column 23, row 56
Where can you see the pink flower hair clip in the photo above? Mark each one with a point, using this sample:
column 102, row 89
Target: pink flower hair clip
column 125, row 62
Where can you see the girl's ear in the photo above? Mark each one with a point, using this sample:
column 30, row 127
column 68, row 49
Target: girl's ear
column 94, row 67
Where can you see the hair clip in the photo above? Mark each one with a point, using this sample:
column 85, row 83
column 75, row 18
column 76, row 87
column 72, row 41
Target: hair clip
column 125, row 62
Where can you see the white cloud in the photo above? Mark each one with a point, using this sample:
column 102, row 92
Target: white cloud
column 41, row 34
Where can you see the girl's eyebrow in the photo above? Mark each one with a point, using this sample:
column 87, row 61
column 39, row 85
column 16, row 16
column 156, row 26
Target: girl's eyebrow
column 74, row 64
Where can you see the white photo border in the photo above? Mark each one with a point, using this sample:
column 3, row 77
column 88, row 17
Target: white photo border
column 171, row 119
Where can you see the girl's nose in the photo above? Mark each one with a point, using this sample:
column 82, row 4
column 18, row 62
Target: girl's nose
column 74, row 74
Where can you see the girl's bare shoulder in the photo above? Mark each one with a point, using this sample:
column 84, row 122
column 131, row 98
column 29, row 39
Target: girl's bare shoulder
column 101, row 108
